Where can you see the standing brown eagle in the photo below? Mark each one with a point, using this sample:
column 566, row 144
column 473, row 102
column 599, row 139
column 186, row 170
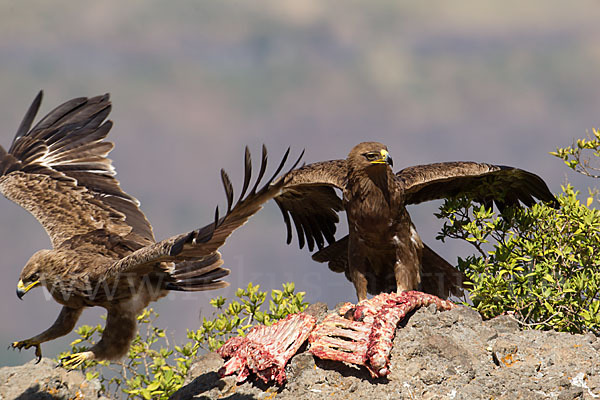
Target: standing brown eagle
column 104, row 253
column 383, row 251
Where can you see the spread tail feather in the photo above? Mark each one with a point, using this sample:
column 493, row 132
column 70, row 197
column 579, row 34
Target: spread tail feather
column 439, row 277
column 335, row 254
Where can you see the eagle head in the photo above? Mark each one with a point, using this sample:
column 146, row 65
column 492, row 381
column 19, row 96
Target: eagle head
column 368, row 154
column 31, row 275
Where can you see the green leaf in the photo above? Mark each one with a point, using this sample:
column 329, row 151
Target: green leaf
column 153, row 386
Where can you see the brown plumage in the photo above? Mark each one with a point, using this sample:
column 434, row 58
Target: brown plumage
column 104, row 253
column 383, row 251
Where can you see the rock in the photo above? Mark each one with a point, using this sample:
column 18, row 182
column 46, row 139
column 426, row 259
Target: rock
column 436, row 355
column 44, row 381
column 504, row 324
column 317, row 310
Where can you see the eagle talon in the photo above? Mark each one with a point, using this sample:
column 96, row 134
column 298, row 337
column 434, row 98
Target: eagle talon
column 73, row 361
column 25, row 344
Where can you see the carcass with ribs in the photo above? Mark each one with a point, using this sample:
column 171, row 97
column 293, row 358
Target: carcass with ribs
column 364, row 334
column 359, row 334
column 266, row 349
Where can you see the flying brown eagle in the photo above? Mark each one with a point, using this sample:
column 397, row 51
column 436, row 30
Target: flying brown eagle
column 104, row 253
column 383, row 251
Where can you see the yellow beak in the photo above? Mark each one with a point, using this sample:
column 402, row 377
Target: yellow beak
column 22, row 289
column 385, row 158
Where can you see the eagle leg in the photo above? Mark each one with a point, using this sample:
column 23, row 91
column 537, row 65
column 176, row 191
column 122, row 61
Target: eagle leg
column 358, row 266
column 358, row 278
column 118, row 333
column 407, row 267
column 360, row 284
column 65, row 322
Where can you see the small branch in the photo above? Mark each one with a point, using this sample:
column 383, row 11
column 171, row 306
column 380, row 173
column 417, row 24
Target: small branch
column 537, row 323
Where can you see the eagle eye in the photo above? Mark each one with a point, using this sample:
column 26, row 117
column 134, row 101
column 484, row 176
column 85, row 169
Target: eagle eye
column 33, row 277
column 372, row 156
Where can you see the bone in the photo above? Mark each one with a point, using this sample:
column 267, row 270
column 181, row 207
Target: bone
column 266, row 349
column 366, row 339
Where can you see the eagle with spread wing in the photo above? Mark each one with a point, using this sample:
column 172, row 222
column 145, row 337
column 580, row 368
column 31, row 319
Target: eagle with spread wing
column 104, row 252
column 383, row 251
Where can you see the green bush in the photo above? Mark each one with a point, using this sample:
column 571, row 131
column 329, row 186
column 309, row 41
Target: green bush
column 540, row 264
column 152, row 370
column 543, row 266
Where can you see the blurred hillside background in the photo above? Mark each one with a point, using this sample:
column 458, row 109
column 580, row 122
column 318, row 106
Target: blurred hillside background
column 192, row 82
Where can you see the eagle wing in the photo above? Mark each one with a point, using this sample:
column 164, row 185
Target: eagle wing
column 485, row 183
column 309, row 197
column 194, row 254
column 59, row 172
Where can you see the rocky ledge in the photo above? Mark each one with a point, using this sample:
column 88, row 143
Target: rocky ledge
column 43, row 381
column 436, row 355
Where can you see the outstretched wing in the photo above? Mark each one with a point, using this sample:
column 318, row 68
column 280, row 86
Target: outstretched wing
column 59, row 172
column 310, row 199
column 195, row 254
column 485, row 183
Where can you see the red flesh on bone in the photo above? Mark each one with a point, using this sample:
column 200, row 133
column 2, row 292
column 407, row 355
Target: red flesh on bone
column 366, row 339
column 376, row 319
column 266, row 349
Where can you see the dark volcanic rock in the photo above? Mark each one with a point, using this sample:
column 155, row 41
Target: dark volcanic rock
column 436, row 355
column 44, row 381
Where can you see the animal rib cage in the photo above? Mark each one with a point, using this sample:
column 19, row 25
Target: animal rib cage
column 365, row 336
column 266, row 349
column 359, row 334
